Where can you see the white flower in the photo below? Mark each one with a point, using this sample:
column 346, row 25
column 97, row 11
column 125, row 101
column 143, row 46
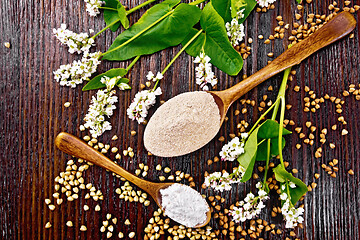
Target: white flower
column 292, row 185
column 78, row 71
column 244, row 135
column 265, row 3
column 251, row 206
column 143, row 100
column 102, row 105
column 233, row 149
column 150, row 76
column 109, row 82
column 283, row 196
column 77, row 43
column 204, row 74
column 292, row 216
column 92, row 6
column 222, row 181
column 236, row 31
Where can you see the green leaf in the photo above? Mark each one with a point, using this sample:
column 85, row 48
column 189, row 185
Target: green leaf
column 168, row 32
column 111, row 16
column 298, row 1
column 215, row 43
column 95, row 82
column 274, row 149
column 223, row 9
column 237, row 5
column 247, row 159
column 123, row 15
column 282, row 176
column 270, row 129
column 195, row 47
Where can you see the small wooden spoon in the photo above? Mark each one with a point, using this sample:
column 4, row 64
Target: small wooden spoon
column 338, row 27
column 78, row 148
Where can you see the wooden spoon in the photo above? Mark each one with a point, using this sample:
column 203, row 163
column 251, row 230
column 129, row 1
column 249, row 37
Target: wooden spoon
column 337, row 28
column 78, row 148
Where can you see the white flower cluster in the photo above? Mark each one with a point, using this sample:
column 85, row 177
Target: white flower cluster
column 151, row 76
column 77, row 43
column 236, row 31
column 102, row 105
column 233, row 149
column 265, row 3
column 204, row 73
column 292, row 215
column 222, row 181
column 251, row 206
column 75, row 73
column 138, row 109
column 92, row 7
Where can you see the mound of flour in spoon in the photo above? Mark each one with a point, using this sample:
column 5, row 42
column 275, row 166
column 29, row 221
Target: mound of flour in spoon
column 184, row 205
column 182, row 125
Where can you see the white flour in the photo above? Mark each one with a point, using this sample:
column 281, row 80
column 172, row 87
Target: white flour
column 184, row 205
column 182, row 125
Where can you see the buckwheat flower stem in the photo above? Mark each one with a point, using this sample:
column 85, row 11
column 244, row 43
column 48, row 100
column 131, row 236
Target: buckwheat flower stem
column 263, row 115
column 281, row 96
column 108, row 26
column 273, row 117
column 133, row 63
column 267, row 162
column 281, row 127
column 138, row 34
column 107, row 8
column 178, row 54
column 139, row 6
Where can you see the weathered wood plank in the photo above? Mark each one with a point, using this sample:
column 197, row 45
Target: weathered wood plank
column 32, row 113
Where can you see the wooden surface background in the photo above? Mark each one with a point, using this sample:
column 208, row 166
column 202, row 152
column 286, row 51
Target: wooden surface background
column 32, row 114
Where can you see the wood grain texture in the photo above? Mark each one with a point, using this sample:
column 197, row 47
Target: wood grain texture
column 32, row 114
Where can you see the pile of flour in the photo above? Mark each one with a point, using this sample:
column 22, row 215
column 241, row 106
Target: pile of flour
column 184, row 205
column 182, row 125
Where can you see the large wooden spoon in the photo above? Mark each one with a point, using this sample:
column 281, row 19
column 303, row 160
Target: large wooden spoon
column 172, row 145
column 78, row 148
column 337, row 28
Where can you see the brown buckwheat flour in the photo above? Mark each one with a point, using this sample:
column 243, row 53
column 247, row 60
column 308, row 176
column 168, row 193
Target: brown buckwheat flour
column 182, row 125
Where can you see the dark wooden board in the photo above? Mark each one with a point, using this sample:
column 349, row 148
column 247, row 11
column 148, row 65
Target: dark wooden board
column 32, row 113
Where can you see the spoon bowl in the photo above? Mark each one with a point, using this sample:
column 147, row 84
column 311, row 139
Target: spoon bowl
column 78, row 148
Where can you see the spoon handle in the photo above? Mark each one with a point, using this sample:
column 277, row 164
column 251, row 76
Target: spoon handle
column 78, row 148
column 332, row 31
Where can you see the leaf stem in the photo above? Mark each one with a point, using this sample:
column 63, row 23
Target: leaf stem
column 267, row 161
column 261, row 142
column 185, row 46
column 102, row 30
column 177, row 55
column 281, row 127
column 139, row 33
column 139, row 6
column 281, row 96
column 196, row 2
column 263, row 115
column 107, row 8
column 133, row 63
